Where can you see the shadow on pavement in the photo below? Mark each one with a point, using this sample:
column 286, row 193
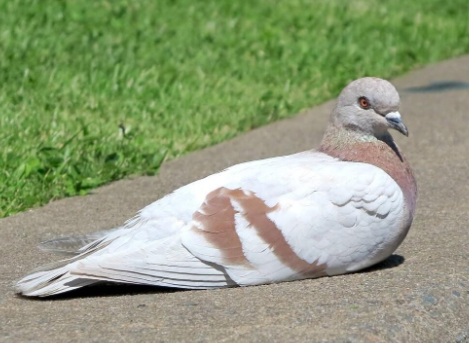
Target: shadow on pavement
column 391, row 262
column 110, row 289
column 440, row 86
column 107, row 289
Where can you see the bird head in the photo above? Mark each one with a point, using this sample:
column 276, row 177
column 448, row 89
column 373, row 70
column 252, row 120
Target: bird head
column 370, row 106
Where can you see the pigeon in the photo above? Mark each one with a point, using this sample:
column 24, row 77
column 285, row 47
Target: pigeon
column 338, row 209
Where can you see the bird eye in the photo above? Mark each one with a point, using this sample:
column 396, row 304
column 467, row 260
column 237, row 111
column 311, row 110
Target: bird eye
column 364, row 103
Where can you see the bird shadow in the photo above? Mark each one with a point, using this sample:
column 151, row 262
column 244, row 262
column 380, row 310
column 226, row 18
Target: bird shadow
column 107, row 289
column 392, row 261
column 110, row 289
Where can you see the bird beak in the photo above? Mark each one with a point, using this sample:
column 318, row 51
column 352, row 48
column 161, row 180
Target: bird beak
column 395, row 122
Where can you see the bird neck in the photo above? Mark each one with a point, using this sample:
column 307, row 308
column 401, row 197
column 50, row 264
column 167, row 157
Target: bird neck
column 382, row 152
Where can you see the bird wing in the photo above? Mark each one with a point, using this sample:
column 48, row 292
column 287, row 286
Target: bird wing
column 302, row 217
column 293, row 217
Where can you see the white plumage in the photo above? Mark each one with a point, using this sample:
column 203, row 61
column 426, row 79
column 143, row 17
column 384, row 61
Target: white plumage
column 341, row 214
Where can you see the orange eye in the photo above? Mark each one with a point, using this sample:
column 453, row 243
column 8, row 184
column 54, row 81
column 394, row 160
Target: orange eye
column 364, row 103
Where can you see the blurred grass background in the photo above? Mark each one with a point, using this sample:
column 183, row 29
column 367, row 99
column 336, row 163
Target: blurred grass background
column 92, row 91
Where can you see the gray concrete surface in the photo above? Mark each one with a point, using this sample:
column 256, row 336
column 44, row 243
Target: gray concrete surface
column 419, row 295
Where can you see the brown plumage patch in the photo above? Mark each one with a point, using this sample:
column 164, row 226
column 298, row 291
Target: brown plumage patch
column 382, row 154
column 217, row 219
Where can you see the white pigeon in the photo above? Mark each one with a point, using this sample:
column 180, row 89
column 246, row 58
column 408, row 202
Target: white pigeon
column 339, row 209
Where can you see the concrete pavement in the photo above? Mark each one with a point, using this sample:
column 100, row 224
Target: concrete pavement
column 421, row 294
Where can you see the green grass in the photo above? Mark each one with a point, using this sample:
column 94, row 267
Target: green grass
column 92, row 91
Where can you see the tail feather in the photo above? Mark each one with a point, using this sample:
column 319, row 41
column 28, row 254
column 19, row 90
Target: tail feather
column 50, row 282
column 164, row 262
column 57, row 278
column 73, row 245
